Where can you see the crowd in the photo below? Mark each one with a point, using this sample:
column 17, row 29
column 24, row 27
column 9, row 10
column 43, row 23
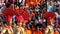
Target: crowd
column 39, row 22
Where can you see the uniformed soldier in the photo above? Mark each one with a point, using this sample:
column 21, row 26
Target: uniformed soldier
column 49, row 28
column 7, row 28
column 19, row 29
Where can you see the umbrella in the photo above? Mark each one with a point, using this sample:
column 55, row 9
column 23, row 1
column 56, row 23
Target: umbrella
column 22, row 12
column 8, row 12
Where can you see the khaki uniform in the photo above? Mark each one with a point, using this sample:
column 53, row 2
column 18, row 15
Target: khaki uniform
column 18, row 30
column 49, row 30
column 7, row 31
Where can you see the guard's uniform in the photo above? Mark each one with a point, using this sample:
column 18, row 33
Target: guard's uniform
column 7, row 29
column 49, row 30
column 19, row 29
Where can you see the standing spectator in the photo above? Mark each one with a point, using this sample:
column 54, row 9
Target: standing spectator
column 19, row 28
column 8, row 28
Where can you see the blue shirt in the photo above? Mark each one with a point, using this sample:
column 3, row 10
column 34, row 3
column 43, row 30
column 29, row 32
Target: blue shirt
column 50, row 8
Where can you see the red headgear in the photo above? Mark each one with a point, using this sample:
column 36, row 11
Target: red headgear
column 9, row 12
column 20, row 18
column 49, row 15
column 8, row 18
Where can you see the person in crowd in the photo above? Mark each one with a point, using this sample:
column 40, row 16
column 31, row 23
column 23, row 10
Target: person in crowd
column 7, row 28
column 19, row 27
column 50, row 7
column 49, row 28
